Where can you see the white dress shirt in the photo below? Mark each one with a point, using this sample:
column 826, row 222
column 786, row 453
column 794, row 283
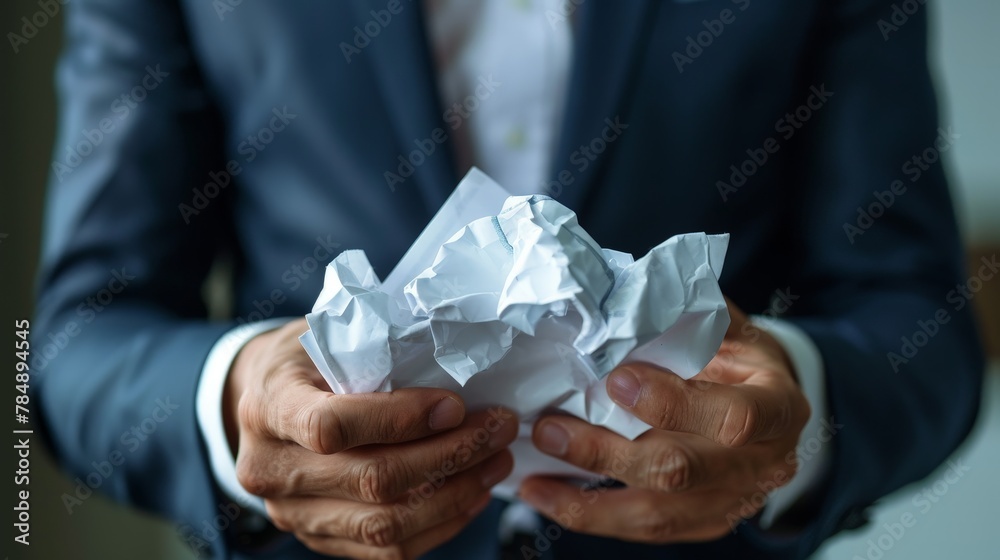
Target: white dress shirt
column 526, row 46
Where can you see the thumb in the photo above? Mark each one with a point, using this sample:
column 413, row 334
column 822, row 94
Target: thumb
column 731, row 415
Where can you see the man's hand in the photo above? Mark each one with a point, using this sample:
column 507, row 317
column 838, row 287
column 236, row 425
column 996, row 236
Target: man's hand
column 387, row 475
column 717, row 440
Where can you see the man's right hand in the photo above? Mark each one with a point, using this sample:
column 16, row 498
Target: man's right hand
column 386, row 475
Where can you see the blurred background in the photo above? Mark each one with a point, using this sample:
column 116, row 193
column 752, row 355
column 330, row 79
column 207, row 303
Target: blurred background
column 957, row 524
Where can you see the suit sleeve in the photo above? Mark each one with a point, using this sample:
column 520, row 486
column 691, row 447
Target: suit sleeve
column 121, row 333
column 879, row 260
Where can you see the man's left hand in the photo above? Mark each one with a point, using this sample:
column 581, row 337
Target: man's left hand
column 718, row 440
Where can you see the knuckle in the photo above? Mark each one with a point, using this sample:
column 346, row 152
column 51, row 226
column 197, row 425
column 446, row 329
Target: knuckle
column 377, row 479
column 666, row 418
column 321, row 435
column 742, row 422
column 592, row 454
column 670, row 413
column 671, row 470
column 377, row 528
column 656, row 526
column 252, row 475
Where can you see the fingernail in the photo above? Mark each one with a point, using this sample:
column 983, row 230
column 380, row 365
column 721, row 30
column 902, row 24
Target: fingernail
column 448, row 413
column 624, row 387
column 493, row 473
column 553, row 438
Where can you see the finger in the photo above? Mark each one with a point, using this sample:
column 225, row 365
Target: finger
column 464, row 494
column 429, row 540
column 731, row 415
column 411, row 548
column 374, row 474
column 380, row 474
column 426, row 506
column 631, row 514
column 657, row 460
column 324, row 422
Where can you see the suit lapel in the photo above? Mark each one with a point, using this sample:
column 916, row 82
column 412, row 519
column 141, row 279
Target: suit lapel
column 401, row 61
column 604, row 65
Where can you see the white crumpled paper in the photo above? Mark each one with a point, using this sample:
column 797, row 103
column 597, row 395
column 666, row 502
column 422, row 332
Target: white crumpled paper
column 507, row 301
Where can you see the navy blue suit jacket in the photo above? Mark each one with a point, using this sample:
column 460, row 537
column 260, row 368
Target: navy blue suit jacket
column 246, row 132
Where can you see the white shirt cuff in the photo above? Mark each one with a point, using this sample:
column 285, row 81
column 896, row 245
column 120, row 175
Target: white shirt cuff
column 208, row 408
column 813, row 450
